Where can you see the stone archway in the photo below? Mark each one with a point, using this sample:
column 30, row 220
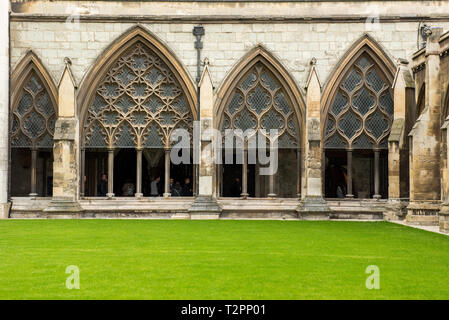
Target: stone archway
column 259, row 94
column 138, row 96
column 32, row 125
column 358, row 112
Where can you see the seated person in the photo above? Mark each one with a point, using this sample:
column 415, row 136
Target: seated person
column 187, row 190
column 177, row 190
column 128, row 189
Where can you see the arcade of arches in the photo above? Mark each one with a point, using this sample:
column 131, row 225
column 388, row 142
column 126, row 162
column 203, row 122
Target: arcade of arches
column 355, row 138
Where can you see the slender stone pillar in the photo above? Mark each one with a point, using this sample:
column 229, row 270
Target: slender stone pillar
column 298, row 173
column 4, row 108
column 349, row 172
column 271, row 193
column 167, row 173
column 312, row 205
column 66, row 169
column 205, row 205
column 83, row 172
column 244, row 193
column 110, row 193
column 139, row 193
column 376, row 175
column 33, row 192
column 425, row 182
column 194, row 177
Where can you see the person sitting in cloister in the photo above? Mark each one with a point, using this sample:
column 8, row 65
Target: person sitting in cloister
column 103, row 185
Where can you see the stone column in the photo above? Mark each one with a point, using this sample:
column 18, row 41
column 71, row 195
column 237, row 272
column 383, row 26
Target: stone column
column 110, row 193
column 66, row 177
column 398, row 142
column 376, row 174
column 33, row 193
column 4, row 108
column 139, row 193
column 425, row 143
column 271, row 194
column 83, row 172
column 167, row 173
column 298, row 173
column 313, row 206
column 205, row 205
column 349, row 171
column 244, row 193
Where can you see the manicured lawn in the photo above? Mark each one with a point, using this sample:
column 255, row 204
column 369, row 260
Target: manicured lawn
column 144, row 259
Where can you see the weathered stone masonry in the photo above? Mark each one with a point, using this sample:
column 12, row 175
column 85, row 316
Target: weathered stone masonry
column 307, row 42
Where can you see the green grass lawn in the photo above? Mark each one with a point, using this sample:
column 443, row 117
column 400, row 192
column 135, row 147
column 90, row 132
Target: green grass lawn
column 146, row 259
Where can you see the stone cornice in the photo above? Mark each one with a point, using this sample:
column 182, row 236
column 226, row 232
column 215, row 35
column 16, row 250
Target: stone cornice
column 22, row 17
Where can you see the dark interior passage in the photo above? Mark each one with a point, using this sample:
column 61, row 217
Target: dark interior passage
column 21, row 165
column 363, row 171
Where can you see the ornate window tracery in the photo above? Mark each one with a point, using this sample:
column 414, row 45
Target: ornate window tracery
column 138, row 104
column 33, row 118
column 361, row 114
column 259, row 101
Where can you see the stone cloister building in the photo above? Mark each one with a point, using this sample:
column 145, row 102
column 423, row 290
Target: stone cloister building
column 358, row 91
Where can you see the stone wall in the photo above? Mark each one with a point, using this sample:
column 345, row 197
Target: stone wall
column 294, row 44
column 295, row 33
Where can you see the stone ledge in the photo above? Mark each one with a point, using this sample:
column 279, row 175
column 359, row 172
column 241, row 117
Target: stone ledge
column 424, row 213
column 422, row 220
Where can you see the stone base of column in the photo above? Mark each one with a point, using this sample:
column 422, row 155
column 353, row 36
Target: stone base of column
column 138, row 195
column 423, row 213
column 313, row 208
column 205, row 207
column 63, row 206
column 396, row 209
column 444, row 218
column 4, row 210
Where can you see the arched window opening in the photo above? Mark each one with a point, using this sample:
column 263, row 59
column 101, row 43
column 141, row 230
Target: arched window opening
column 356, row 133
column 33, row 118
column 259, row 101
column 127, row 133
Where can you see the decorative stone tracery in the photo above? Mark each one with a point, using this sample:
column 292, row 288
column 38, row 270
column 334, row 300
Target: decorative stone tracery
column 33, row 113
column 260, row 102
column 362, row 112
column 33, row 118
column 360, row 115
column 138, row 104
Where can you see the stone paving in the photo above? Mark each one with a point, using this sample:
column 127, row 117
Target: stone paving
column 427, row 228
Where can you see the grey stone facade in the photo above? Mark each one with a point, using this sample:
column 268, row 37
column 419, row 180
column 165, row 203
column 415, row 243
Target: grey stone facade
column 308, row 43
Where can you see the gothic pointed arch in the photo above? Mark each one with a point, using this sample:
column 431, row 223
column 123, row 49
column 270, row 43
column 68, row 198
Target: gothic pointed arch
column 358, row 99
column 259, row 93
column 135, row 95
column 33, row 105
